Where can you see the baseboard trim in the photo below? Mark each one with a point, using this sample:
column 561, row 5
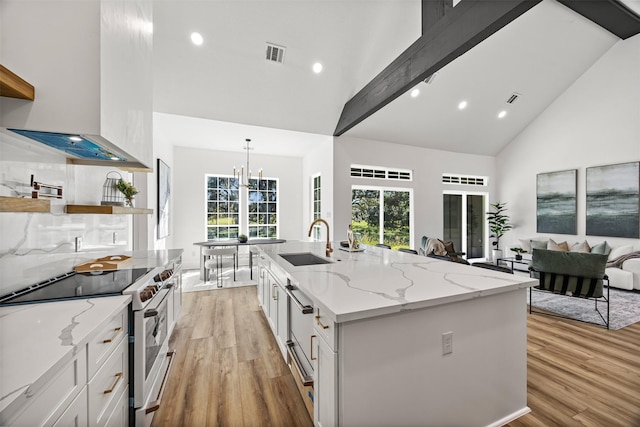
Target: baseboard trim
column 510, row 417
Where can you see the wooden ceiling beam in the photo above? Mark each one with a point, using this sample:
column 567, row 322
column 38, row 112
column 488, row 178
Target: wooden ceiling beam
column 612, row 15
column 457, row 32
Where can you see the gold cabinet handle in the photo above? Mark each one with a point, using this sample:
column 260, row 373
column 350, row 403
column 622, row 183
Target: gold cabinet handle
column 113, row 387
column 116, row 331
column 320, row 323
column 311, row 344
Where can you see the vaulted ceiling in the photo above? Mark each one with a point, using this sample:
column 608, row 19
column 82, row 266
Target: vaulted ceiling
column 538, row 56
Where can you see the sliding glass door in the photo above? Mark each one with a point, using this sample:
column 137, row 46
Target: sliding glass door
column 464, row 222
column 382, row 215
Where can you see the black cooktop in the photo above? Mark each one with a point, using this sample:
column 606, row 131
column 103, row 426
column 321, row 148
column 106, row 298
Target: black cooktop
column 75, row 285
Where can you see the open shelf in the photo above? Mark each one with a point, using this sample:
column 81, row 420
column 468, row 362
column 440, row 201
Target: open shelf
column 13, row 86
column 106, row 210
column 19, row 204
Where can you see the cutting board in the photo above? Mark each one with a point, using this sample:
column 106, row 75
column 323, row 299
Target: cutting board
column 112, row 262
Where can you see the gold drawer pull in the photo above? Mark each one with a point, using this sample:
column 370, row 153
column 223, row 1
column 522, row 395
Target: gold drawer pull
column 116, row 331
column 113, row 387
column 311, row 343
column 320, row 323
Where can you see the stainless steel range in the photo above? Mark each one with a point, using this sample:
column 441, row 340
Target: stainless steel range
column 155, row 297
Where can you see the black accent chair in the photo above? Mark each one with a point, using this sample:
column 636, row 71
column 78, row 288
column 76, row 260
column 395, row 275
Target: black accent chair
column 570, row 274
column 382, row 245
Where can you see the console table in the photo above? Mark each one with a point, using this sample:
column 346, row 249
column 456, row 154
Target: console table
column 513, row 261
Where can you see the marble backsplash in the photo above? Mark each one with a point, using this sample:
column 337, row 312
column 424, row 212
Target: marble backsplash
column 37, row 246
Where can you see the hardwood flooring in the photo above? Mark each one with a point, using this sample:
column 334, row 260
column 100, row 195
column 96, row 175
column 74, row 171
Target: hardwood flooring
column 229, row 371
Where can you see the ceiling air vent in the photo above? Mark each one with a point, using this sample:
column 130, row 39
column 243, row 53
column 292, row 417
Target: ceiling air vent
column 513, row 98
column 275, row 53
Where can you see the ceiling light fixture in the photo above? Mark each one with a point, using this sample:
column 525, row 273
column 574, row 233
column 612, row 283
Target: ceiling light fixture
column 196, row 38
column 243, row 180
column 462, row 105
column 317, row 68
column 501, row 114
column 415, row 93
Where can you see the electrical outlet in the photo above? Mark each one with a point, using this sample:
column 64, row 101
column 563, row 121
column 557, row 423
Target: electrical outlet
column 78, row 244
column 447, row 343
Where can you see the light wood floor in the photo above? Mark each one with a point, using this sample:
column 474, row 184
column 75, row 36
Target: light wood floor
column 229, row 372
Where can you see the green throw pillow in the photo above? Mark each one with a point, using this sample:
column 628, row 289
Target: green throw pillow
column 538, row 244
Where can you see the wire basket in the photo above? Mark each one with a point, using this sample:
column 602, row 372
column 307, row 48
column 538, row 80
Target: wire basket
column 111, row 196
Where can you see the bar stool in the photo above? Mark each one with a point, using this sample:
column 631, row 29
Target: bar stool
column 215, row 261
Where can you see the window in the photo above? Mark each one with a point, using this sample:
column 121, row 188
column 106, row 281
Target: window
column 360, row 171
column 382, row 215
column 464, row 222
column 317, row 207
column 263, row 208
column 222, row 207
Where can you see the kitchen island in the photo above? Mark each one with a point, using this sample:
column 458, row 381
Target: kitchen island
column 401, row 339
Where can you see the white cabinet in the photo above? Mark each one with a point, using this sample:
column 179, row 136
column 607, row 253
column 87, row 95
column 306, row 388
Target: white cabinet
column 278, row 314
column 324, row 381
column 89, row 389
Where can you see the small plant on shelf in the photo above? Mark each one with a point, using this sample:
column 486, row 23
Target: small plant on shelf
column 519, row 252
column 128, row 190
column 242, row 238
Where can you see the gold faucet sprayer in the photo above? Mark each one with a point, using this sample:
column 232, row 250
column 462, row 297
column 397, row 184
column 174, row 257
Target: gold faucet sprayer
column 329, row 248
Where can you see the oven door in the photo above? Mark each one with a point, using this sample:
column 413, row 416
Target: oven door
column 300, row 331
column 151, row 345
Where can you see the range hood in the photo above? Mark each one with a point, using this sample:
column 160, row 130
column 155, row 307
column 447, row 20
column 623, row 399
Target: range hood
column 82, row 149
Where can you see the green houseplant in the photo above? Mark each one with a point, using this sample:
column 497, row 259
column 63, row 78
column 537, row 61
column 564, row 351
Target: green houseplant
column 519, row 252
column 499, row 223
column 128, row 190
column 242, row 238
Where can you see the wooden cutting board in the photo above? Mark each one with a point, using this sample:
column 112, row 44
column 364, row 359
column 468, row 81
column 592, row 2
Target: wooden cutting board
column 112, row 262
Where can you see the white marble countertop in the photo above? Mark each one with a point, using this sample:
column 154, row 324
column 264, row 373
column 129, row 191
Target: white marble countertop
column 36, row 340
column 380, row 281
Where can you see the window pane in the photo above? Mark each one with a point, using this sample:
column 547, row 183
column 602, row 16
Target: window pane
column 212, row 182
column 475, row 226
column 365, row 215
column 396, row 219
column 212, row 233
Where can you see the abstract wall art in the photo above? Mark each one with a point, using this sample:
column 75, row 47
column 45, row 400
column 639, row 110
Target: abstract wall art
column 613, row 207
column 556, row 202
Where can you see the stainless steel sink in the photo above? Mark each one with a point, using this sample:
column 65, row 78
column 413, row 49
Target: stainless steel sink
column 304, row 258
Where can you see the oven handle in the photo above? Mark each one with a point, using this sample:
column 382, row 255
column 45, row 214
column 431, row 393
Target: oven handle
column 155, row 405
column 307, row 380
column 306, row 309
column 150, row 313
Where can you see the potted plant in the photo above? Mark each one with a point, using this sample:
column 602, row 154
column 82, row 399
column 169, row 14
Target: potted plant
column 128, row 190
column 242, row 238
column 498, row 225
column 519, row 252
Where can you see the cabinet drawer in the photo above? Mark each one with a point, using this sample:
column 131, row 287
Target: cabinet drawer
column 108, row 383
column 105, row 341
column 76, row 414
column 49, row 403
column 119, row 410
column 326, row 328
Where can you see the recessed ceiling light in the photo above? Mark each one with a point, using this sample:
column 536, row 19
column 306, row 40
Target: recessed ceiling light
column 462, row 105
column 197, row 39
column 317, row 67
column 501, row 114
column 415, row 93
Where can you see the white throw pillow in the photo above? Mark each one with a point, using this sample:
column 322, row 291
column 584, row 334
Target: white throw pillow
column 525, row 244
column 619, row 251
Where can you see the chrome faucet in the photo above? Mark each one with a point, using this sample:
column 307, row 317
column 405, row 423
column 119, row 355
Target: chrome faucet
column 329, row 248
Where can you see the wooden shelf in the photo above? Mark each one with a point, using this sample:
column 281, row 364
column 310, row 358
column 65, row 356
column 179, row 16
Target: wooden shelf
column 13, row 86
column 106, row 210
column 19, row 204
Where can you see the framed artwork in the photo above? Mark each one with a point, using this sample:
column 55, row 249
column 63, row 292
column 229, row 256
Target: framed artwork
column 164, row 197
column 556, row 205
column 613, row 200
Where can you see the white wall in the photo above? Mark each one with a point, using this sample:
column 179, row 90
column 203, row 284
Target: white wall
column 319, row 161
column 428, row 166
column 595, row 122
column 189, row 206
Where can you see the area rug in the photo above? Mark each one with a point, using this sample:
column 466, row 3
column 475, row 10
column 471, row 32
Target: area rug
column 624, row 305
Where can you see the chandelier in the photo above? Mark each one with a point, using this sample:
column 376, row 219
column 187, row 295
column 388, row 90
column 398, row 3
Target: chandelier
column 243, row 180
